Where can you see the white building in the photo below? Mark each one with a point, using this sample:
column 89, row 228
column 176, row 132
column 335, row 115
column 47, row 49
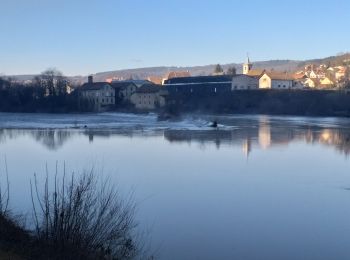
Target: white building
column 276, row 80
column 244, row 82
column 99, row 94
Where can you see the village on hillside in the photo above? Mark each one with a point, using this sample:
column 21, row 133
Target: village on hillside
column 155, row 92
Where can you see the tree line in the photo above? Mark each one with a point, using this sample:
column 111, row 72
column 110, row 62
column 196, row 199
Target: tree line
column 49, row 92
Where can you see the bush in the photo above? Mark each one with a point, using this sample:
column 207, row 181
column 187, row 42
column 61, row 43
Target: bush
column 83, row 219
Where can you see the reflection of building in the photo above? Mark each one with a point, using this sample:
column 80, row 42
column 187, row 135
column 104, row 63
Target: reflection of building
column 247, row 147
column 248, row 132
column 264, row 133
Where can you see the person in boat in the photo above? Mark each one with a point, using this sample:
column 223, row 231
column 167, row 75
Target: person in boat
column 214, row 124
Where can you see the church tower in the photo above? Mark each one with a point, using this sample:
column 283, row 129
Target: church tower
column 247, row 66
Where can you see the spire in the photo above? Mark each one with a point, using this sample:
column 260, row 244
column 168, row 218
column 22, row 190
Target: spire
column 247, row 66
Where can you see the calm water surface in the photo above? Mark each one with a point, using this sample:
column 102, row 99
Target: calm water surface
column 259, row 187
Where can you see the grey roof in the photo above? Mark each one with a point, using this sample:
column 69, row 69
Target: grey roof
column 149, row 88
column 199, row 80
column 137, row 82
column 121, row 84
column 93, row 86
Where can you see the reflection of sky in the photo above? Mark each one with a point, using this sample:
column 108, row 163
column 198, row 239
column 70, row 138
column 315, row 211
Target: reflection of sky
column 285, row 202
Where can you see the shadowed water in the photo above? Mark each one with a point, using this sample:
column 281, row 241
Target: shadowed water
column 258, row 187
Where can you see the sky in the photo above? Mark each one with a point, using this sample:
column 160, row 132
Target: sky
column 80, row 37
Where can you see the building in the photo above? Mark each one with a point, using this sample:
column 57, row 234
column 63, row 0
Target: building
column 200, row 85
column 124, row 90
column 155, row 80
column 137, row 82
column 244, row 82
column 340, row 73
column 326, row 83
column 276, row 80
column 311, row 83
column 101, row 95
column 149, row 97
column 249, row 71
column 247, row 67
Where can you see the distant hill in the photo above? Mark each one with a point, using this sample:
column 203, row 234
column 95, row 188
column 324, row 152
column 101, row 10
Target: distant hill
column 144, row 73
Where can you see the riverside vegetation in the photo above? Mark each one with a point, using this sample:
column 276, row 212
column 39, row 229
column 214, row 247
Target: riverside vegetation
column 79, row 218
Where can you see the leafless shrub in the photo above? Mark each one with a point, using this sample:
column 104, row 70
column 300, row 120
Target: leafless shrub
column 4, row 192
column 83, row 218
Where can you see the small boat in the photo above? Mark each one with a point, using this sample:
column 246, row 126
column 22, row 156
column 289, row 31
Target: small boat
column 214, row 124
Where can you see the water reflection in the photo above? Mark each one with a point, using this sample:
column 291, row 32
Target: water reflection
column 260, row 133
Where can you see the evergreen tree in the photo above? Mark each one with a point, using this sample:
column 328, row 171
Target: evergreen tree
column 231, row 71
column 218, row 69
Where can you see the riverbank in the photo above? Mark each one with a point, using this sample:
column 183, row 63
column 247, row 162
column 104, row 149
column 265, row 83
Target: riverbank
column 268, row 102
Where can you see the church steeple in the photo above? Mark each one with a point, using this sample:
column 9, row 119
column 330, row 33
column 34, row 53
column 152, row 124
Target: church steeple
column 247, row 66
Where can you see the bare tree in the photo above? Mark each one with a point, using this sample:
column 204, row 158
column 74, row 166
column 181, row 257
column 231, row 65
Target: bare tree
column 53, row 81
column 83, row 218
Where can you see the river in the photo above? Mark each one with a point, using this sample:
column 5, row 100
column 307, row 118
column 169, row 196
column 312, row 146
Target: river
column 257, row 187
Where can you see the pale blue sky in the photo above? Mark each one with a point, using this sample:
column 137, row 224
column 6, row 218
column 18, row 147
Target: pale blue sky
column 88, row 36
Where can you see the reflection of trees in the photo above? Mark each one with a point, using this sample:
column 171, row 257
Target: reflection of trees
column 52, row 139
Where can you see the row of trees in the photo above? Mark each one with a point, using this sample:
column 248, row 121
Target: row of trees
column 219, row 70
column 48, row 92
